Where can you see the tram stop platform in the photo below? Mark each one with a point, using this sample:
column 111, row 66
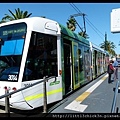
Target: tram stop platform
column 98, row 96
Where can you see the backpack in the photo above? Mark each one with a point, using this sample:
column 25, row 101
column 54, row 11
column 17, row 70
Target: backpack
column 110, row 71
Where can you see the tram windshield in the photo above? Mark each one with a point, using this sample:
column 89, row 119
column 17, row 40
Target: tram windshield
column 41, row 57
column 11, row 47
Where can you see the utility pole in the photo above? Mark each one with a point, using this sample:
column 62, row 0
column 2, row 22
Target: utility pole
column 84, row 23
column 105, row 41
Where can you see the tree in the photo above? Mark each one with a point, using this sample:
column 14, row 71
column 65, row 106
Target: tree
column 83, row 34
column 113, row 52
column 110, row 46
column 71, row 24
column 19, row 14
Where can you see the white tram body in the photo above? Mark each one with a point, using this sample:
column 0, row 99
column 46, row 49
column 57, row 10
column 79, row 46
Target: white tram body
column 33, row 96
column 99, row 60
column 35, row 47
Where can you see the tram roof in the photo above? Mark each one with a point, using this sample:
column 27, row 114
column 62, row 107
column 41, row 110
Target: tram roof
column 96, row 47
column 72, row 34
column 38, row 24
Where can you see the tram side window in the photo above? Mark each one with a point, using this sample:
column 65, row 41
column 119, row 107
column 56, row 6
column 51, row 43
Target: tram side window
column 42, row 56
column 80, row 59
column 87, row 62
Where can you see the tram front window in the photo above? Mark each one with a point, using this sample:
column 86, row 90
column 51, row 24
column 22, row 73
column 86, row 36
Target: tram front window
column 11, row 48
column 9, row 68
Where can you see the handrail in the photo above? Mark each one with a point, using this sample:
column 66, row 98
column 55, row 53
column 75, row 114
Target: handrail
column 10, row 93
column 115, row 98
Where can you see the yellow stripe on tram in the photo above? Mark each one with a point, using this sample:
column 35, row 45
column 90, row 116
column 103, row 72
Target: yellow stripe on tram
column 33, row 97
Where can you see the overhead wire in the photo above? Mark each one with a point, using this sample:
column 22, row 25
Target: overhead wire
column 91, row 25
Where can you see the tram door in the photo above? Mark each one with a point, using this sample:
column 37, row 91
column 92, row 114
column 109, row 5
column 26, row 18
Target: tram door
column 67, row 67
column 76, row 80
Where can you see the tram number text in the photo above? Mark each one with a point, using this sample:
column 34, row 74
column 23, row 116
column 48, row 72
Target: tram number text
column 27, row 84
column 12, row 77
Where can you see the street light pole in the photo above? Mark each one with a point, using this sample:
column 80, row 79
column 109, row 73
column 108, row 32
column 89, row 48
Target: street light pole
column 105, row 41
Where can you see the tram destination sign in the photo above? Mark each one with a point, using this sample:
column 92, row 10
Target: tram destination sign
column 13, row 31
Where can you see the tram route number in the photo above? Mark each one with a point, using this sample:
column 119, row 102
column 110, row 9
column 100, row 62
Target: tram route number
column 27, row 84
column 12, row 77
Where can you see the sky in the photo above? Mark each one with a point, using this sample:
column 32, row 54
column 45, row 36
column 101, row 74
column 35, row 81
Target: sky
column 97, row 17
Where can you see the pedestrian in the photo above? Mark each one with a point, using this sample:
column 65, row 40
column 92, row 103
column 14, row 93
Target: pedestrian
column 110, row 70
column 115, row 65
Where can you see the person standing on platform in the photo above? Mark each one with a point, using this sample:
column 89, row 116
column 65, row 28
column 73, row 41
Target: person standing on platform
column 115, row 65
column 110, row 70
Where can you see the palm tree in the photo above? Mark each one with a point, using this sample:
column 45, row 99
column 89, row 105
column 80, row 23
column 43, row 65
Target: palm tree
column 17, row 15
column 71, row 24
column 110, row 46
column 83, row 34
column 112, row 52
column 2, row 21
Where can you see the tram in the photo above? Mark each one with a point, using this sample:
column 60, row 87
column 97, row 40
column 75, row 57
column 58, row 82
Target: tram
column 34, row 47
